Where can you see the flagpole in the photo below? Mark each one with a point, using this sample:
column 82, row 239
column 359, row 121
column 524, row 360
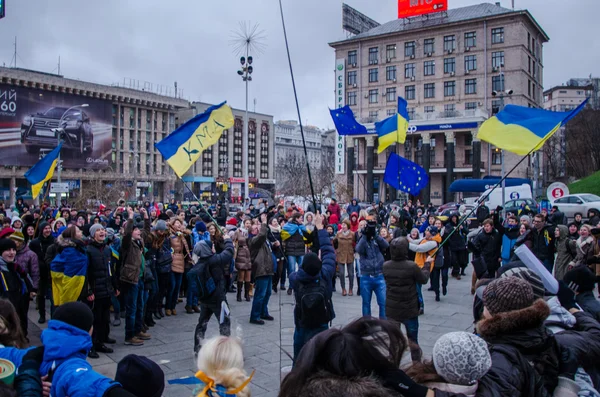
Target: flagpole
column 43, row 201
column 199, row 201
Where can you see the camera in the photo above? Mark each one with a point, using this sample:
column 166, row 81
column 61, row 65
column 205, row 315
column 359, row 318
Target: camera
column 371, row 229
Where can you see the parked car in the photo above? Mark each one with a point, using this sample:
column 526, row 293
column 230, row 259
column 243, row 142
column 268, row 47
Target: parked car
column 573, row 203
column 448, row 206
column 513, row 206
column 39, row 130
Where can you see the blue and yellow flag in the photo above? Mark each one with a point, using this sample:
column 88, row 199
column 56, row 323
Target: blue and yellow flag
column 345, row 122
column 68, row 270
column 42, row 171
column 393, row 129
column 404, row 175
column 520, row 130
column 183, row 147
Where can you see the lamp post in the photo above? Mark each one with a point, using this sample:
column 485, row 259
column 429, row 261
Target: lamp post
column 134, row 155
column 224, row 168
column 246, row 73
column 501, row 95
column 59, row 137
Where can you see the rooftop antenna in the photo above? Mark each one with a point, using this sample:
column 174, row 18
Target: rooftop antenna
column 513, row 4
column 14, row 58
column 59, row 65
column 254, row 105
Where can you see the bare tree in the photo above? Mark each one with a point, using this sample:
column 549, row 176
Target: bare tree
column 96, row 191
column 583, row 144
column 294, row 179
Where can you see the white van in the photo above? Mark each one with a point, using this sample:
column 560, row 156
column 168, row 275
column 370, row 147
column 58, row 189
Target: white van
column 510, row 193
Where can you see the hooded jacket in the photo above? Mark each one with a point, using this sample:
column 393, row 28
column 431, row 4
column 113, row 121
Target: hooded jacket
column 354, row 222
column 583, row 249
column 371, row 255
column 401, row 278
column 260, row 249
column 334, row 209
column 351, row 209
column 27, row 260
column 293, row 234
column 563, row 252
column 100, row 272
column 216, row 264
column 39, row 246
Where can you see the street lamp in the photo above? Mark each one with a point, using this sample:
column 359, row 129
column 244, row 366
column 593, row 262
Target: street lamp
column 59, row 137
column 135, row 155
column 501, row 95
column 246, row 75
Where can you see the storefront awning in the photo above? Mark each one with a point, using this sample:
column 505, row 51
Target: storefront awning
column 481, row 185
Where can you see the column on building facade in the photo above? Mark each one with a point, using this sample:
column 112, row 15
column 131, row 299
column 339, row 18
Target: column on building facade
column 370, row 165
column 476, row 156
column 350, row 162
column 426, row 139
column 450, row 163
column 13, row 191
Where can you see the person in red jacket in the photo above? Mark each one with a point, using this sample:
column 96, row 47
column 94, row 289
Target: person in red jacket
column 354, row 222
column 334, row 208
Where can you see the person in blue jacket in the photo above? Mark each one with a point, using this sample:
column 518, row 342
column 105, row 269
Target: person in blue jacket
column 510, row 234
column 314, row 273
column 353, row 207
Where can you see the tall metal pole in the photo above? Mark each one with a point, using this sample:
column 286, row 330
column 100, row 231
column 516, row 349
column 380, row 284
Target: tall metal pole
column 502, row 160
column 59, row 166
column 245, row 139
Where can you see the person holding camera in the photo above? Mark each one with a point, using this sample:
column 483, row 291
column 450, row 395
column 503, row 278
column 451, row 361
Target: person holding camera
column 370, row 249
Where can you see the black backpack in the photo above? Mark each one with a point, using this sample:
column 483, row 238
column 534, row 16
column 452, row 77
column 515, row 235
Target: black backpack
column 314, row 304
column 205, row 283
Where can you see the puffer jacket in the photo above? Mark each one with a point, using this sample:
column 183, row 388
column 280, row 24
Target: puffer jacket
column 345, row 247
column 260, row 249
column 563, row 253
column 351, row 209
column 27, row 260
column 371, row 255
column 487, row 245
column 401, row 279
column 99, row 269
column 216, row 263
column 242, row 256
column 180, row 250
column 293, row 237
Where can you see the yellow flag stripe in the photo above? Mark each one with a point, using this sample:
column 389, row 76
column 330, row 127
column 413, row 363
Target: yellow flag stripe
column 37, row 188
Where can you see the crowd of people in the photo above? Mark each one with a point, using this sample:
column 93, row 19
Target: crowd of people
column 86, row 271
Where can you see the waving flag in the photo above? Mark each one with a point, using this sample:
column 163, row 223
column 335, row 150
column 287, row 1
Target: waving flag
column 393, row 129
column 404, row 175
column 345, row 123
column 68, row 270
column 42, row 171
column 183, row 147
column 519, row 129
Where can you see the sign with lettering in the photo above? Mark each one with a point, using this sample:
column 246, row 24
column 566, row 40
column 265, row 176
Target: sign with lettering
column 340, row 102
column 412, row 8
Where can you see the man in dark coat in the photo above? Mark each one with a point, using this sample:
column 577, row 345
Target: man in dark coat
column 39, row 246
column 221, row 215
column 262, row 269
column 542, row 236
column 402, row 301
column 486, row 246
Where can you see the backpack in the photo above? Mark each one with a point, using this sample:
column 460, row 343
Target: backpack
column 314, row 304
column 205, row 284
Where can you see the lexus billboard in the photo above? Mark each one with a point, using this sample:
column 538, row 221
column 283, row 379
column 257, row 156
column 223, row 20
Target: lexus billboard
column 30, row 120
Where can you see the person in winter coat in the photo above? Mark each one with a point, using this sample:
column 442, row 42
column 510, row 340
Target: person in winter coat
column 261, row 253
column 180, row 251
column 482, row 213
column 344, row 242
column 60, row 222
column 425, row 248
column 574, row 230
column 103, row 286
column 221, row 217
column 353, row 207
column 274, row 235
column 457, row 246
column 39, row 246
column 354, row 223
column 243, row 261
column 216, row 304
column 27, row 261
column 334, row 208
column 12, row 284
column 582, row 281
column 402, row 300
column 158, row 242
column 486, row 245
column 564, row 252
column 593, row 217
column 370, row 248
column 583, row 247
column 200, row 233
column 71, row 260
column 293, row 234
column 542, row 236
column 16, row 223
column 508, row 233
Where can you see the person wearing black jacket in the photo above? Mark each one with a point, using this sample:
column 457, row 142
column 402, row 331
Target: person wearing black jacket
column 221, row 214
column 543, row 239
column 217, row 302
column 486, row 247
column 482, row 213
column 39, row 246
column 457, row 246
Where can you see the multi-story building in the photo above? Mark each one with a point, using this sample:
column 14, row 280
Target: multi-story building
column 454, row 69
column 563, row 98
column 219, row 173
column 109, row 134
column 328, row 140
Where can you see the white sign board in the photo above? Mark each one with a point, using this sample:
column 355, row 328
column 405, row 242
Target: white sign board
column 340, row 102
column 557, row 190
column 62, row 187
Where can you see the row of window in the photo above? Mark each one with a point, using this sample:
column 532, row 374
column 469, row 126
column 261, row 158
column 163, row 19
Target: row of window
column 449, row 110
column 410, row 47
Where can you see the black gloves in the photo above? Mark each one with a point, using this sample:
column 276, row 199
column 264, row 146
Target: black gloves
column 397, row 380
column 566, row 296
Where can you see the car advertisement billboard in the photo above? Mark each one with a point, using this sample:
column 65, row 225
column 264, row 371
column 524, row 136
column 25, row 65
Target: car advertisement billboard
column 412, row 8
column 30, row 120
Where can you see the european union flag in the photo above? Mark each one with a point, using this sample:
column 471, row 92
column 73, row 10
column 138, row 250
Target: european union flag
column 345, row 123
column 404, row 175
column 520, row 130
column 183, row 147
column 393, row 129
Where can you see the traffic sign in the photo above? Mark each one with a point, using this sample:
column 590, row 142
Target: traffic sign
column 62, row 187
column 557, row 190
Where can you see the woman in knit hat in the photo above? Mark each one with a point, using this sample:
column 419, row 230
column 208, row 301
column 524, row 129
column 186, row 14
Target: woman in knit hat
column 12, row 285
column 27, row 261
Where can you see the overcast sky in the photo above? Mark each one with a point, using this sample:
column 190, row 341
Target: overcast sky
column 188, row 41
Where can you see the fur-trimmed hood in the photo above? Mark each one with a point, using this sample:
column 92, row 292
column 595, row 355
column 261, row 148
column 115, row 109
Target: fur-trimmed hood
column 322, row 383
column 504, row 325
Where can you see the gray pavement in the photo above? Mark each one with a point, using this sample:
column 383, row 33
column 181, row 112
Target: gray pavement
column 171, row 345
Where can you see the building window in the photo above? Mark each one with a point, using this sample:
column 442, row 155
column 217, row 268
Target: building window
column 411, row 113
column 470, row 62
column 534, row 68
column 533, row 91
column 408, row 149
column 409, row 70
column 498, row 83
column 429, row 68
column 428, row 46
column 495, row 106
column 449, row 43
column 429, row 109
column 496, row 156
column 351, row 78
column 373, row 75
column 470, row 105
column 470, row 39
column 352, row 98
column 471, row 86
column 391, row 112
column 450, row 110
column 390, row 51
column 409, row 49
column 449, row 65
column 497, row 59
column 373, row 96
column 390, row 73
column 468, row 157
column 449, row 88
column 409, row 92
column 390, row 94
column 429, row 89
column 352, row 57
column 373, row 114
column 373, row 55
column 497, row 35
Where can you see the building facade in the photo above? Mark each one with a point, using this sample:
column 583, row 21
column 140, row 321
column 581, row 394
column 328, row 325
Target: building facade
column 454, row 69
column 563, row 98
column 219, row 173
column 109, row 139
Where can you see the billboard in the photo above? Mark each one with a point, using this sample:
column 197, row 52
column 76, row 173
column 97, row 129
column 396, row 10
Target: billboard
column 29, row 119
column 340, row 102
column 412, row 8
column 356, row 22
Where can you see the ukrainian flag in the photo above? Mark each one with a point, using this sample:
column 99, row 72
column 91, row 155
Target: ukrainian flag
column 393, row 129
column 42, row 171
column 68, row 271
column 521, row 130
column 183, row 147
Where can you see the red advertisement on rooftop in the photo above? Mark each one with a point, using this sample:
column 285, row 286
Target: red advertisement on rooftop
column 411, row 8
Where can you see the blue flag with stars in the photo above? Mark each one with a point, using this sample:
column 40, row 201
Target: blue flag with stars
column 345, row 123
column 404, row 175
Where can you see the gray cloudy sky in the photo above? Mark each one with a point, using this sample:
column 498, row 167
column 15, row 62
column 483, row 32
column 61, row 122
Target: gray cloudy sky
column 188, row 41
